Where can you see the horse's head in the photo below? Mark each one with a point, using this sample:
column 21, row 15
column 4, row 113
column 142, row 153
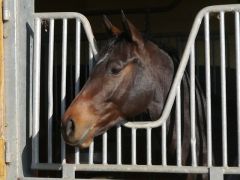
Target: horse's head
column 124, row 83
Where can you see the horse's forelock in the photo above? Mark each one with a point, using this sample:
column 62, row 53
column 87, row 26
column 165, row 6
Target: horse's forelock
column 109, row 46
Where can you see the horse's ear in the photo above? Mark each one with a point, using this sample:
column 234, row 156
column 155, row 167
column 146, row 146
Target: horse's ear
column 113, row 30
column 132, row 31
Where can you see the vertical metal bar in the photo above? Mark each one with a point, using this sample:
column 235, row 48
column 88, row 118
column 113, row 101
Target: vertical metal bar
column 178, row 124
column 208, row 89
column 77, row 155
column 223, row 87
column 78, row 54
column 134, row 162
column 149, row 146
column 90, row 65
column 91, row 152
column 119, row 145
column 105, row 148
column 63, row 83
column 237, row 33
column 91, row 149
column 50, row 89
column 164, row 145
column 36, row 91
column 77, row 72
column 193, row 106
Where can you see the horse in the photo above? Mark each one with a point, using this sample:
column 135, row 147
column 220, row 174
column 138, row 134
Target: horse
column 133, row 75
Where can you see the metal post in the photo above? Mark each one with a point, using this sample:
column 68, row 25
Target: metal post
column 90, row 62
column 223, row 87
column 178, row 124
column 149, row 146
column 63, row 83
column 77, row 72
column 119, row 145
column 208, row 89
column 104, row 148
column 237, row 33
column 91, row 152
column 50, row 88
column 192, row 106
column 134, row 161
column 36, row 92
column 164, row 145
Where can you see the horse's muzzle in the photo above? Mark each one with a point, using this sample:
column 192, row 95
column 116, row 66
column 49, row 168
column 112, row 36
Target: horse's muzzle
column 73, row 137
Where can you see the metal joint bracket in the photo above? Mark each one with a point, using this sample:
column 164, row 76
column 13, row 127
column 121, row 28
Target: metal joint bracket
column 68, row 171
column 7, row 153
column 216, row 173
column 6, row 11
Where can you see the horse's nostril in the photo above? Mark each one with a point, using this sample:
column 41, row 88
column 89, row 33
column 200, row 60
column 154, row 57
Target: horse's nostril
column 70, row 127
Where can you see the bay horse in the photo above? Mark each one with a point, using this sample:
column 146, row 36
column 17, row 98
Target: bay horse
column 133, row 75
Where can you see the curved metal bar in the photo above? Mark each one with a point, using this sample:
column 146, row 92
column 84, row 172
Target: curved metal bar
column 182, row 66
column 73, row 15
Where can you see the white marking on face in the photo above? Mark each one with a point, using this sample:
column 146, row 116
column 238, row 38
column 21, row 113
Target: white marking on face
column 103, row 58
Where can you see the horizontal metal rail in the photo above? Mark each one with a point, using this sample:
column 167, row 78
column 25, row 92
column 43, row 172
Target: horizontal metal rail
column 136, row 168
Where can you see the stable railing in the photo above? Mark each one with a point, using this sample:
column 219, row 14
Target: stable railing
column 189, row 55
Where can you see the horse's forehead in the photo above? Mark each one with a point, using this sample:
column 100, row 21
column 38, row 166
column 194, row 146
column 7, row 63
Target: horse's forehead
column 122, row 51
column 119, row 51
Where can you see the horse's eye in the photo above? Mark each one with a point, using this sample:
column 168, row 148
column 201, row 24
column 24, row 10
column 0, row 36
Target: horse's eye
column 115, row 70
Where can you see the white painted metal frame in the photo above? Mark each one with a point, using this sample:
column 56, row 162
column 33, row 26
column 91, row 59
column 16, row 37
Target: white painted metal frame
column 80, row 19
column 189, row 53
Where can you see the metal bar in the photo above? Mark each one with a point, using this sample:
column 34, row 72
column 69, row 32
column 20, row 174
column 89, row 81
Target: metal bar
column 164, row 145
column 36, row 91
column 77, row 155
column 208, row 89
column 142, row 168
column 91, row 152
column 105, row 148
column 91, row 149
column 149, row 146
column 178, row 124
column 78, row 55
column 134, row 161
column 193, row 106
column 136, row 168
column 77, row 72
column 181, row 67
column 90, row 65
column 119, row 145
column 176, row 81
column 63, row 82
column 72, row 15
column 50, row 88
column 237, row 33
column 223, row 87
